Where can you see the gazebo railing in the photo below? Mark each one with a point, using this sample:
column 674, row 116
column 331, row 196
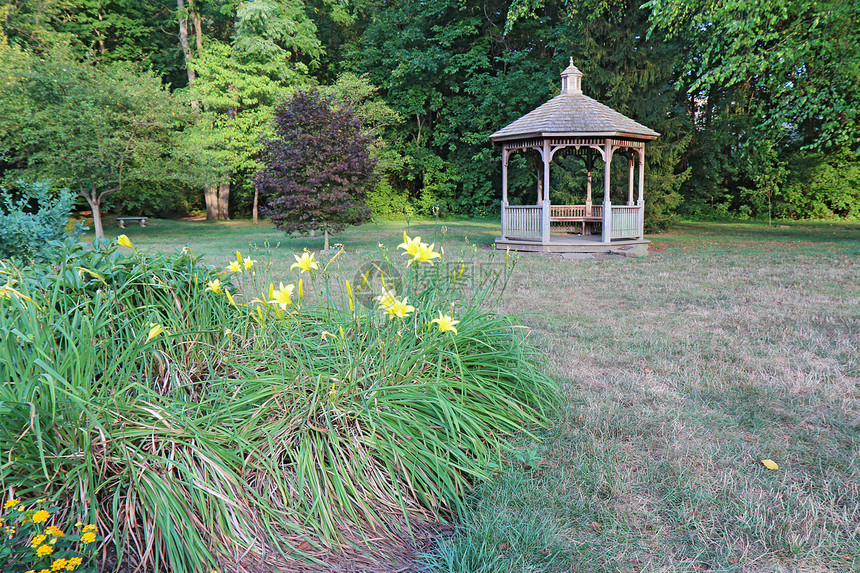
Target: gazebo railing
column 560, row 212
column 521, row 222
column 525, row 221
column 625, row 222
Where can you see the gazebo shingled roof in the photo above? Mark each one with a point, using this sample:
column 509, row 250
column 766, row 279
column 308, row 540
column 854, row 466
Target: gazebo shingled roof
column 572, row 113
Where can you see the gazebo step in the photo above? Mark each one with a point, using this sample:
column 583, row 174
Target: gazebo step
column 566, row 244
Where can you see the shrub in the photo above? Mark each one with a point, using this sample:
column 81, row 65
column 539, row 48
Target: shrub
column 33, row 232
column 196, row 425
column 30, row 542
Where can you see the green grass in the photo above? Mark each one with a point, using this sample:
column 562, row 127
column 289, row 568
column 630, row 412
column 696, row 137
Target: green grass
column 732, row 343
column 218, row 240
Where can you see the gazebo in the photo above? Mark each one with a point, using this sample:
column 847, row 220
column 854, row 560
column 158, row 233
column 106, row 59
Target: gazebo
column 574, row 124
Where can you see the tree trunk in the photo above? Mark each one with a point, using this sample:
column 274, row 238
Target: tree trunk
column 256, row 210
column 94, row 200
column 198, row 26
column 326, row 239
column 210, row 196
column 183, row 42
column 224, row 197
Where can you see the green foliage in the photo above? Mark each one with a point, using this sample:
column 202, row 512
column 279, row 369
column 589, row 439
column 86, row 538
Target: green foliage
column 821, row 185
column 388, row 203
column 716, row 79
column 34, row 222
column 242, row 77
column 90, row 128
column 194, row 431
column 796, row 62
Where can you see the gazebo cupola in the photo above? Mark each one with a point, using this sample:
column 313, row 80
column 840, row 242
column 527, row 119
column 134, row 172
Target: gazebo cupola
column 571, row 79
column 585, row 128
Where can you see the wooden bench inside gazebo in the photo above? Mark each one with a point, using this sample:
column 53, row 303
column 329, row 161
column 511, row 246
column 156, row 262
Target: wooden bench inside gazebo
column 574, row 124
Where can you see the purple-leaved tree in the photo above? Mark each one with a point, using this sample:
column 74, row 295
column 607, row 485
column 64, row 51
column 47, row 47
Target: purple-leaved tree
column 318, row 167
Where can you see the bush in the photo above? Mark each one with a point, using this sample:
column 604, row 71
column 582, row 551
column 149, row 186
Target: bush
column 35, row 223
column 30, row 542
column 196, row 425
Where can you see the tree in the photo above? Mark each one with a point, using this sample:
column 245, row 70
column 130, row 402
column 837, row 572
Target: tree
column 318, row 167
column 239, row 81
column 797, row 62
column 90, row 128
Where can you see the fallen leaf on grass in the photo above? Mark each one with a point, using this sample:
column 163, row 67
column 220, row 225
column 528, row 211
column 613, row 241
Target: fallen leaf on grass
column 748, row 439
column 595, row 525
column 648, row 370
column 503, row 545
column 545, row 552
column 304, row 546
column 770, row 464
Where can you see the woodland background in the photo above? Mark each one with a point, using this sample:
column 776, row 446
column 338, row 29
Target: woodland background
column 161, row 107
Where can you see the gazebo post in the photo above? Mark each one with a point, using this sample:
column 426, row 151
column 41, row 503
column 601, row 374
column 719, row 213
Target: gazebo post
column 506, row 154
column 630, row 187
column 642, row 192
column 539, row 184
column 544, row 225
column 589, row 165
column 606, row 231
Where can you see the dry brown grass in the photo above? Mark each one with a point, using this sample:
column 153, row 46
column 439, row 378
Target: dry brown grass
column 683, row 370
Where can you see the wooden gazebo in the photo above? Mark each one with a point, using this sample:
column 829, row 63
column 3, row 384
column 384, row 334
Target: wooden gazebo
column 574, row 124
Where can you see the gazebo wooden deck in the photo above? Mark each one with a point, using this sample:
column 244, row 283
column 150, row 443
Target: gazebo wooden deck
column 574, row 124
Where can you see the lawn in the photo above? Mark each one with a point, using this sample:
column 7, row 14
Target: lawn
column 730, row 344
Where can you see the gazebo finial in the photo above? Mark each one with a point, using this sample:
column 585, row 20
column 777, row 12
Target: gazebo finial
column 571, row 79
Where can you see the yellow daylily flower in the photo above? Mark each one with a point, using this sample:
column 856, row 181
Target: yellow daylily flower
column 124, row 241
column 425, row 254
column 239, row 258
column 283, row 296
column 249, row 264
column 154, row 330
column 306, row 262
column 234, row 267
column 214, row 286
column 446, row 323
column 386, row 299
column 399, row 308
column 411, row 246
